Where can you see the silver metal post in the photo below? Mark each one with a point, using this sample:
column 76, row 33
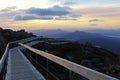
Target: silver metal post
column 70, row 75
column 36, row 59
column 47, row 67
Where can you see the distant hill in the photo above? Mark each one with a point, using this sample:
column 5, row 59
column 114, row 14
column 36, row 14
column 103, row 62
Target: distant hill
column 48, row 32
column 107, row 43
column 110, row 43
column 76, row 35
column 108, row 32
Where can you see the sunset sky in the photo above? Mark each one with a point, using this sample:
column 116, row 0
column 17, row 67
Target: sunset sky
column 62, row 14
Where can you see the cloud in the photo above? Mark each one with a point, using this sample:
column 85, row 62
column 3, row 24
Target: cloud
column 8, row 15
column 19, row 17
column 65, row 18
column 93, row 24
column 53, row 11
column 57, row 7
column 13, row 7
column 106, row 12
column 96, row 20
column 69, row 3
column 8, row 9
column 74, row 15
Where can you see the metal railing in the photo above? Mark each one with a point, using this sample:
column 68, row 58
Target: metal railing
column 79, row 69
column 3, row 63
column 15, row 43
column 41, row 68
column 24, row 40
column 3, row 60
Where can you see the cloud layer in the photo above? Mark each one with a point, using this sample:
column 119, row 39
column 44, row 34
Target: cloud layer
column 19, row 17
column 8, row 9
column 52, row 13
column 96, row 20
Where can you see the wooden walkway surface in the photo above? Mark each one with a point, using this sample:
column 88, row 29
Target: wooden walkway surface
column 19, row 68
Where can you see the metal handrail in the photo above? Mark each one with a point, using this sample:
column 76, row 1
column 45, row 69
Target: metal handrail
column 3, row 63
column 24, row 40
column 81, row 70
column 2, row 60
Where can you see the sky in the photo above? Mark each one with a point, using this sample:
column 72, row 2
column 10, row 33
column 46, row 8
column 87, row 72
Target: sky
column 62, row 14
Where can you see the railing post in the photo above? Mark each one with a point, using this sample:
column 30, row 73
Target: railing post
column 26, row 52
column 30, row 55
column 70, row 75
column 47, row 68
column 36, row 59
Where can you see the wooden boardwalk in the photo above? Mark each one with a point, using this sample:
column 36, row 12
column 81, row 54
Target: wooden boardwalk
column 19, row 68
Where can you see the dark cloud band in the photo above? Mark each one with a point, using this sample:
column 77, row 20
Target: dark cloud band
column 19, row 17
column 54, row 11
column 62, row 13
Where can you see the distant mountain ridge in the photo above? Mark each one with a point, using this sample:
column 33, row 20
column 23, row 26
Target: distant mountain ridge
column 76, row 35
column 110, row 43
column 108, row 32
column 48, row 32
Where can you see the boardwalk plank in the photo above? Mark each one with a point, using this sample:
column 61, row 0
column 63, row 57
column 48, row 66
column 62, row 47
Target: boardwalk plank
column 19, row 68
